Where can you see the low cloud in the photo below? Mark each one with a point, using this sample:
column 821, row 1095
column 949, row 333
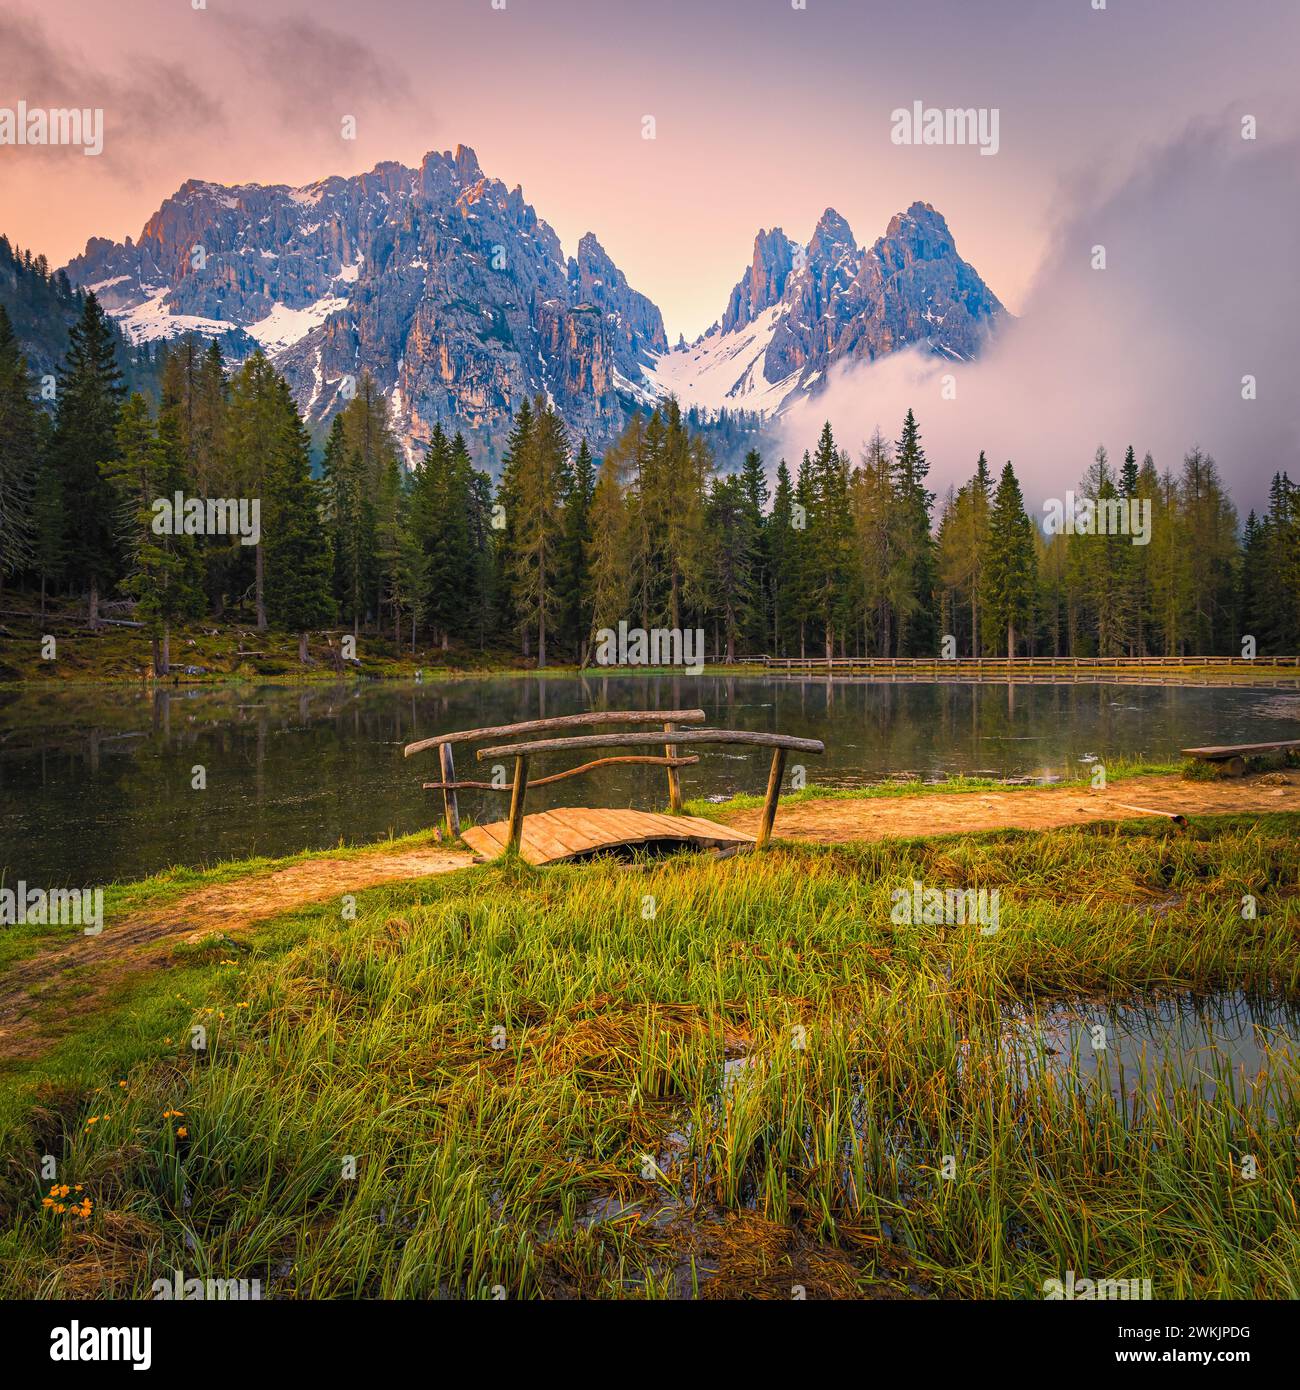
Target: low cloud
column 1201, row 289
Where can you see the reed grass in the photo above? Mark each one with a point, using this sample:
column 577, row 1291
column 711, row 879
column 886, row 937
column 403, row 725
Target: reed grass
column 711, row 1079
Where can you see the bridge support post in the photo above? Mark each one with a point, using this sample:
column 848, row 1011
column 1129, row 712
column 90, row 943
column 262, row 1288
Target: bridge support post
column 517, row 793
column 448, row 765
column 674, row 778
column 773, row 796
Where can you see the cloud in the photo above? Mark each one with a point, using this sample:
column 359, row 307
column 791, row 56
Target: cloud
column 1201, row 288
column 154, row 106
column 310, row 75
column 295, row 75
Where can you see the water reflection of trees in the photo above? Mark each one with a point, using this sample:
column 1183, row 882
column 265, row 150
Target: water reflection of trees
column 96, row 782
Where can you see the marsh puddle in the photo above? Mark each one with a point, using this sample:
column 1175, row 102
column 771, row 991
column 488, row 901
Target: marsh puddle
column 1225, row 1044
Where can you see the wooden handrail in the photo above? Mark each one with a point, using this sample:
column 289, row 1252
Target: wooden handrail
column 561, row 721
column 781, row 744
column 568, row 772
column 745, row 736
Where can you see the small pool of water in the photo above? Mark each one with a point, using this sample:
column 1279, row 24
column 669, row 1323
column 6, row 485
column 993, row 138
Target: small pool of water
column 1225, row 1044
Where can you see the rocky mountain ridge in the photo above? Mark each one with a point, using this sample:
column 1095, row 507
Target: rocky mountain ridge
column 450, row 289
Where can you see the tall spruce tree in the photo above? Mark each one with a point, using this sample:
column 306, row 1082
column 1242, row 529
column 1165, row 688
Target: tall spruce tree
column 89, row 401
column 539, row 526
column 782, row 560
column 20, row 455
column 298, row 559
column 163, row 572
column 731, row 559
column 918, row 632
column 1010, row 573
column 607, row 553
column 574, row 610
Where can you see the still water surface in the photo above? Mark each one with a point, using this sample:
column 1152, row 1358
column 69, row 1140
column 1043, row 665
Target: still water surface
column 95, row 783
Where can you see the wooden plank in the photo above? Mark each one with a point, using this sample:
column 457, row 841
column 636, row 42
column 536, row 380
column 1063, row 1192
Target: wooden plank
column 670, row 827
column 691, row 736
column 715, row 831
column 566, row 832
column 549, row 837
column 600, row 828
column 486, row 839
column 560, row 721
column 1240, row 750
column 545, row 835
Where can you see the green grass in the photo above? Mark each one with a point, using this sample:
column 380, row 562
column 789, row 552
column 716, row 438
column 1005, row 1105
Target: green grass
column 870, row 1053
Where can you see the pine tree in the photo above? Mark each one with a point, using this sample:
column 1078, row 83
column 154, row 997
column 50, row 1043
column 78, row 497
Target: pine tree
column 518, row 448
column 298, row 560
column 1209, row 524
column 731, row 575
column 253, row 442
column 918, row 634
column 482, row 595
column 607, row 553
column 192, row 413
column 89, row 401
column 539, row 525
column 162, row 567
column 962, row 548
column 359, row 472
column 1010, row 573
column 20, row 456
column 48, row 547
column 884, row 572
column 753, row 481
column 828, row 541
column 575, row 614
column 782, row 559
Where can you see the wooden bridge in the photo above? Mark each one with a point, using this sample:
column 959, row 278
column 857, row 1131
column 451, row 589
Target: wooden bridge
column 573, row 832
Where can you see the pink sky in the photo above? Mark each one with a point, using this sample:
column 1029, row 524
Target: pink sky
column 765, row 114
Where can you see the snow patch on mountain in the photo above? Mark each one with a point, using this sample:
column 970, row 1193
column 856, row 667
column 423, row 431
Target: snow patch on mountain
column 153, row 320
column 725, row 370
column 283, row 327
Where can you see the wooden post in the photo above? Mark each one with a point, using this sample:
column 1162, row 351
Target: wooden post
column 674, row 777
column 517, row 793
column 448, row 765
column 773, row 796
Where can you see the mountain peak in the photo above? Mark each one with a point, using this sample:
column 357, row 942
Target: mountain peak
column 923, row 229
column 911, row 289
column 466, row 163
column 440, row 281
column 764, row 282
column 831, row 224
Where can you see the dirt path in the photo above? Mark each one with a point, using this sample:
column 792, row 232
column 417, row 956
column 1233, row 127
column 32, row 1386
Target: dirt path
column 41, row 997
column 1029, row 808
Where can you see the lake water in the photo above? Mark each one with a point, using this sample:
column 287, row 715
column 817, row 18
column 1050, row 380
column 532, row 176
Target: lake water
column 95, row 782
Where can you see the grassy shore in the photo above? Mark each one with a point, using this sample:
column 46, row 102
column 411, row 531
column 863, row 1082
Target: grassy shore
column 208, row 653
column 697, row 1078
